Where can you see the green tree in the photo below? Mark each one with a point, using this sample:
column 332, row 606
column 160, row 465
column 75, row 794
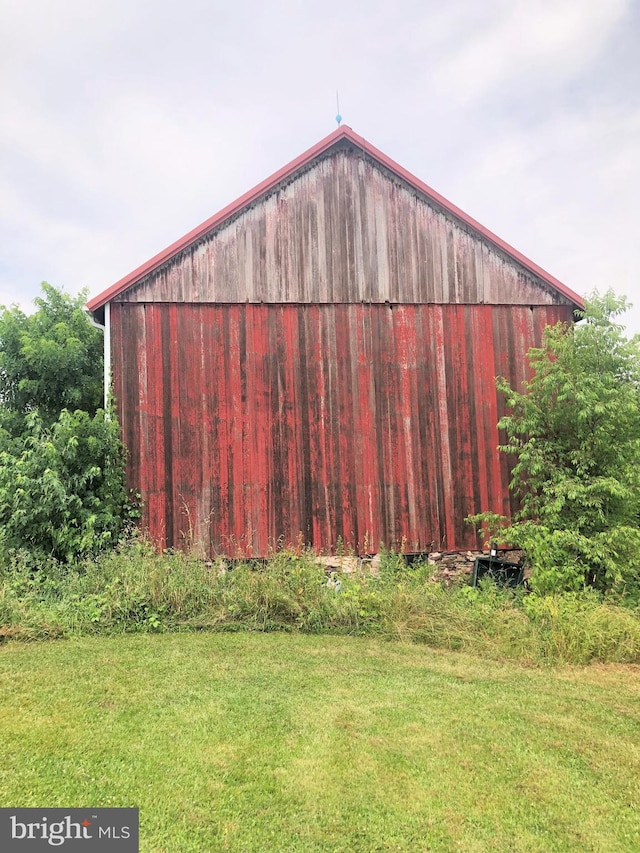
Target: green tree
column 49, row 360
column 574, row 433
column 62, row 481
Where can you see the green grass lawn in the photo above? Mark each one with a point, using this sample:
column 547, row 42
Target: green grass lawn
column 275, row 742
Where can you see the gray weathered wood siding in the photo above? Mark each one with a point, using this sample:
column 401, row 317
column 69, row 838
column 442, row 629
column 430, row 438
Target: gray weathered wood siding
column 344, row 231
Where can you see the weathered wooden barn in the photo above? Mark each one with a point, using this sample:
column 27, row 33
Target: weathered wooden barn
column 315, row 364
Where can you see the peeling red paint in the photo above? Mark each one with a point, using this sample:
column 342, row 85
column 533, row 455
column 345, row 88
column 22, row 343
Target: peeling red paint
column 254, row 426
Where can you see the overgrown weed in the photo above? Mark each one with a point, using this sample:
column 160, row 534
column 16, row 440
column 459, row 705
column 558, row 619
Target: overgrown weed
column 134, row 589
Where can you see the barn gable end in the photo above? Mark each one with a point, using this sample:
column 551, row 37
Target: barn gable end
column 317, row 363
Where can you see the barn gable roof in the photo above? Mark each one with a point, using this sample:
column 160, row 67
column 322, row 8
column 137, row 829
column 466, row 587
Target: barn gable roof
column 339, row 136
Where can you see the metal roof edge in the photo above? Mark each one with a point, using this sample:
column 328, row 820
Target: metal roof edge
column 343, row 132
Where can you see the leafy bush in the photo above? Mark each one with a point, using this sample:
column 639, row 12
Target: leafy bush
column 62, row 488
column 574, row 433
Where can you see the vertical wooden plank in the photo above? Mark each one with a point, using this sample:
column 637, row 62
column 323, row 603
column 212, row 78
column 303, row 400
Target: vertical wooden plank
column 290, row 414
column 423, row 434
column 155, row 452
column 479, row 367
column 347, row 392
column 458, row 393
column 252, row 427
column 506, row 367
column 445, row 450
column 333, row 426
column 317, row 420
column 305, row 429
column 238, row 521
column 406, row 415
column 389, row 429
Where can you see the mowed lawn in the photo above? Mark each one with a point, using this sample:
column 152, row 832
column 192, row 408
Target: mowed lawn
column 275, row 742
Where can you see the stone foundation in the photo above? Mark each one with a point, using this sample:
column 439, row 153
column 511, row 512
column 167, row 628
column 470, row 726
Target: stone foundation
column 450, row 567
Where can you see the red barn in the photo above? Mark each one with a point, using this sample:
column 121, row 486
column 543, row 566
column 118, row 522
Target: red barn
column 316, row 363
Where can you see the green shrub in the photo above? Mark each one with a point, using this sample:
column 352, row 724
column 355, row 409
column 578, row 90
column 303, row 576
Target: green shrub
column 574, row 437
column 62, row 488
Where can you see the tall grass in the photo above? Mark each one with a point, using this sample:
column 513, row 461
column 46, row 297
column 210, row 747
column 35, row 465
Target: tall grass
column 134, row 589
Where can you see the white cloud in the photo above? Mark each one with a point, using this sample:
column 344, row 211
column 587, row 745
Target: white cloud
column 566, row 194
column 518, row 38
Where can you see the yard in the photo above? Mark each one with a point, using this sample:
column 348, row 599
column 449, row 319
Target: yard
column 286, row 742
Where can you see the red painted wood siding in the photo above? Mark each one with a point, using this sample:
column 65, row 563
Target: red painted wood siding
column 252, row 426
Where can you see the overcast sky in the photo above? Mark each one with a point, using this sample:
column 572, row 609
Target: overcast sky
column 125, row 123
